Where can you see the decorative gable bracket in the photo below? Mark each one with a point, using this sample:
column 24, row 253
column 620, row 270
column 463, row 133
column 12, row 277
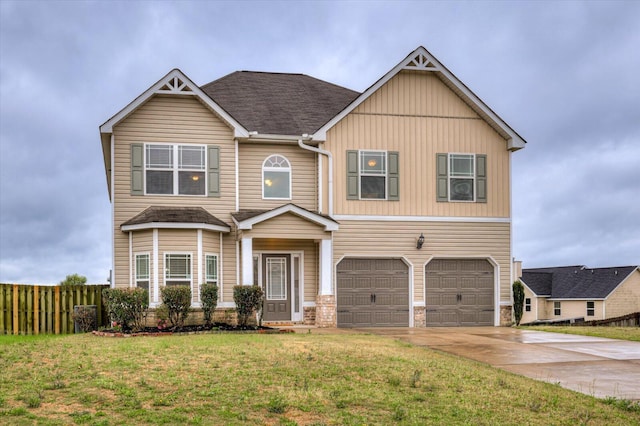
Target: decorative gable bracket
column 421, row 62
column 176, row 85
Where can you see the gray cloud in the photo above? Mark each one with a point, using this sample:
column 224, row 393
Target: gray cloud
column 565, row 77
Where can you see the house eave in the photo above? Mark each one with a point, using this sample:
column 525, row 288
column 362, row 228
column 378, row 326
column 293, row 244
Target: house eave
column 175, row 225
column 247, row 224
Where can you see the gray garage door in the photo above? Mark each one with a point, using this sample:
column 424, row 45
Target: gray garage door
column 459, row 292
column 372, row 293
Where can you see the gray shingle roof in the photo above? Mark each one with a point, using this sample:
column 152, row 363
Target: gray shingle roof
column 156, row 214
column 277, row 103
column 575, row 282
column 243, row 215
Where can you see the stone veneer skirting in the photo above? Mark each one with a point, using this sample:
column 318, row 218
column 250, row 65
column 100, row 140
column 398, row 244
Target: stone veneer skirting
column 325, row 313
column 419, row 316
column 506, row 317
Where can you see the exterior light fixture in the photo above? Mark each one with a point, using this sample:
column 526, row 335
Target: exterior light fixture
column 420, row 241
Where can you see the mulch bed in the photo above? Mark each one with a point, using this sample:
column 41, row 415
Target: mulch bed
column 191, row 329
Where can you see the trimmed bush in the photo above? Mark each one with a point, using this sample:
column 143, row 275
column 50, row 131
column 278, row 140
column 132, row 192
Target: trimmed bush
column 177, row 300
column 127, row 306
column 248, row 300
column 209, row 298
column 518, row 300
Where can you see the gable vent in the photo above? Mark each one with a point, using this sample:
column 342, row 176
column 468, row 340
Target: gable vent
column 175, row 85
column 421, row 62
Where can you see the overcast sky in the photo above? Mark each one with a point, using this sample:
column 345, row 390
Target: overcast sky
column 564, row 75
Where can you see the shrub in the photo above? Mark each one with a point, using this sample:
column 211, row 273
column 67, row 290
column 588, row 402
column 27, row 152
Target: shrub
column 518, row 300
column 74, row 279
column 177, row 300
column 127, row 306
column 209, row 298
column 248, row 301
column 85, row 317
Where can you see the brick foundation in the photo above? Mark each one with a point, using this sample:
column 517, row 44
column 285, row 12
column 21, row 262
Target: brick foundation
column 325, row 312
column 309, row 316
column 506, row 318
column 419, row 316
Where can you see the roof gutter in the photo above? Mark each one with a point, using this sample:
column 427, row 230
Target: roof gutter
column 329, row 157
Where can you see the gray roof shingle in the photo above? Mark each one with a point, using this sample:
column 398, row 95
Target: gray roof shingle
column 279, row 103
column 157, row 214
column 575, row 282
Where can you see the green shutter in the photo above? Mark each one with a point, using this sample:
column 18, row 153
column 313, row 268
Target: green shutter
column 393, row 176
column 213, row 165
column 137, row 169
column 481, row 178
column 352, row 175
column 442, row 178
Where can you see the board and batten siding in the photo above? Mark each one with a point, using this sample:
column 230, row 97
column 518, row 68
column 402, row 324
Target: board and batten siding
column 288, row 226
column 418, row 116
column 626, row 298
column 310, row 250
column 304, row 172
column 167, row 119
column 442, row 239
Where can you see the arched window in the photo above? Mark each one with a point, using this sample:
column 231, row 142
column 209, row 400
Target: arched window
column 276, row 178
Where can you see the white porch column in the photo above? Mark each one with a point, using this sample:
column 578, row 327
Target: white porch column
column 326, row 269
column 247, row 261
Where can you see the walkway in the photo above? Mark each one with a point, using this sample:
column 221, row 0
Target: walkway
column 591, row 365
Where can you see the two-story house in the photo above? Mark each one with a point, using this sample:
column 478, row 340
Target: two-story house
column 389, row 207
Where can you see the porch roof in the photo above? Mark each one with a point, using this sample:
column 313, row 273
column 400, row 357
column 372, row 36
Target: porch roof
column 245, row 219
column 175, row 218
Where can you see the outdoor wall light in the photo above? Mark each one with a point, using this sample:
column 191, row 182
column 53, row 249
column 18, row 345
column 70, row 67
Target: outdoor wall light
column 420, row 241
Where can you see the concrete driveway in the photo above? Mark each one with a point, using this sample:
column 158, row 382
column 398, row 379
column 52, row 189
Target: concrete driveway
column 594, row 366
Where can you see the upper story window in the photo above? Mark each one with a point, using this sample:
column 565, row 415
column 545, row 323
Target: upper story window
column 276, row 178
column 373, row 175
column 175, row 169
column 461, row 177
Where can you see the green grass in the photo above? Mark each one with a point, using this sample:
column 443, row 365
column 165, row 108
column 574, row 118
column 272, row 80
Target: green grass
column 306, row 379
column 622, row 333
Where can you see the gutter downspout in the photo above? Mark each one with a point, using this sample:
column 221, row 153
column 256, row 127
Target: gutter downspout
column 330, row 158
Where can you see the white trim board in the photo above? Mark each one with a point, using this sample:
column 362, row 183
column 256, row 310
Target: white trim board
column 385, row 218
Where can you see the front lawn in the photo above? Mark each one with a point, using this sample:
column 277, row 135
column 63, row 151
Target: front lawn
column 283, row 379
column 622, row 333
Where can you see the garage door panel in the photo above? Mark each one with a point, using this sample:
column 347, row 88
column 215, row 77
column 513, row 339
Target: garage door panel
column 459, row 292
column 378, row 294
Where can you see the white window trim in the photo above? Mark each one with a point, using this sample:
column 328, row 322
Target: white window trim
column 188, row 281
column 277, row 169
column 135, row 268
column 175, row 169
column 206, row 280
column 361, row 173
column 559, row 309
column 474, row 177
column 593, row 310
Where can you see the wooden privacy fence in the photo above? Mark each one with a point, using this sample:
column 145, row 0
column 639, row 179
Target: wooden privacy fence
column 34, row 309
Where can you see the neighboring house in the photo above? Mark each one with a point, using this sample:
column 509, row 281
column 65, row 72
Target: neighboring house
column 389, row 207
column 573, row 292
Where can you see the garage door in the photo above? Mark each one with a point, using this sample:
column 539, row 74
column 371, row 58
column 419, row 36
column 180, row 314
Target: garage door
column 459, row 292
column 372, row 293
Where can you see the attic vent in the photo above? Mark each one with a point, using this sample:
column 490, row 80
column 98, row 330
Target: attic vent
column 421, row 62
column 175, row 85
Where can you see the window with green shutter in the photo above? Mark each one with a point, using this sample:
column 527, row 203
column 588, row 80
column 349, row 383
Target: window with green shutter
column 461, row 177
column 373, row 175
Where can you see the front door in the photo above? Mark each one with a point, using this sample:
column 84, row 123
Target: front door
column 276, row 281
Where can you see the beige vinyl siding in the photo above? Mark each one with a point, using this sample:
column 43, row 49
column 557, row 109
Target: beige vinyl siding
column 304, row 173
column 178, row 241
column 229, row 270
column 626, row 298
column 167, row 119
column 310, row 250
column 442, row 239
column 418, row 116
column 529, row 316
column 288, row 226
column 574, row 309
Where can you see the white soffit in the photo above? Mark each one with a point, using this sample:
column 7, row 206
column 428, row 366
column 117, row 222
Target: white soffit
column 174, row 83
column 421, row 60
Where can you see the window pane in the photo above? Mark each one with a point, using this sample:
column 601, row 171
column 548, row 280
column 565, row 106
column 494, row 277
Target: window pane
column 462, row 189
column 191, row 157
column 142, row 267
column 159, row 182
column 276, row 184
column 191, row 183
column 372, row 187
column 276, row 279
column 178, row 266
column 461, row 165
column 212, row 269
column 143, row 284
column 277, row 161
column 373, row 163
column 160, row 156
